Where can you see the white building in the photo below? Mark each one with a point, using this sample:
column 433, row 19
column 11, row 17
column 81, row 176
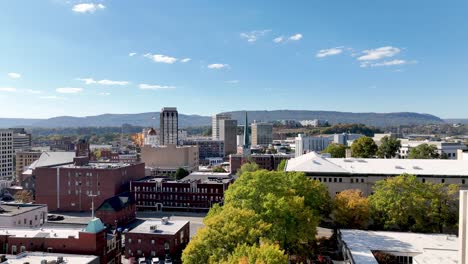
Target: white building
column 306, row 144
column 14, row 215
column 358, row 247
column 340, row 174
column 448, row 148
column 313, row 123
column 6, row 154
column 42, row 257
column 215, row 120
column 345, row 137
column 151, row 138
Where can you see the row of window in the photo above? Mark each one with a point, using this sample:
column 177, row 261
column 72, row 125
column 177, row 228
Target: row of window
column 361, row 180
column 175, row 189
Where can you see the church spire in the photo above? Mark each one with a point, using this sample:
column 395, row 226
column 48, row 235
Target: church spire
column 246, row 132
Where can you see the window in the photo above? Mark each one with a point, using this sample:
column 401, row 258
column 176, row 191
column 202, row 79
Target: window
column 362, row 180
column 167, row 245
column 13, row 250
column 443, row 180
column 152, row 242
column 351, row 180
column 340, row 180
column 153, row 253
column 463, row 181
column 129, row 240
column 423, row 180
column 139, row 241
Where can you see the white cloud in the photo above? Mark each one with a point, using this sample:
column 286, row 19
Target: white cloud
column 104, row 94
column 14, row 75
column 386, row 63
column 252, row 36
column 217, row 66
column 52, row 97
column 329, row 52
column 102, row 82
column 232, row 81
column 145, row 86
column 7, row 89
column 131, row 54
column 69, row 90
column 278, row 39
column 379, row 53
column 33, row 91
column 297, row 36
column 87, row 7
column 185, row 60
column 161, row 58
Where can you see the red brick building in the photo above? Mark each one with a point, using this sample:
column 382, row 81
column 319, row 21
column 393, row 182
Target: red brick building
column 157, row 238
column 118, row 210
column 264, row 161
column 93, row 240
column 69, row 187
column 198, row 191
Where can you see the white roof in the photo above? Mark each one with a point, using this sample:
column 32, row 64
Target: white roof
column 171, row 228
column 50, row 158
column 42, row 232
column 37, row 257
column 425, row 248
column 313, row 162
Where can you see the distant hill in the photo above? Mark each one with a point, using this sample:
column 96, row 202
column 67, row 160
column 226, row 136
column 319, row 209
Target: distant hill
column 463, row 121
column 145, row 119
column 372, row 119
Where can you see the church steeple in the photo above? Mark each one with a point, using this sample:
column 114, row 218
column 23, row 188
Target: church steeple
column 246, row 132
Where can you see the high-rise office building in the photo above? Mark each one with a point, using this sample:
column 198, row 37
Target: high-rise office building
column 169, row 126
column 262, row 134
column 215, row 124
column 21, row 139
column 228, row 133
column 6, row 153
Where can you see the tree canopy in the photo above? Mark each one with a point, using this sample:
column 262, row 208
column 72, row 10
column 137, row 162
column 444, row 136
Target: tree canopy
column 335, row 150
column 181, row 173
column 389, row 147
column 364, row 147
column 423, row 151
column 261, row 209
column 407, row 204
column 351, row 209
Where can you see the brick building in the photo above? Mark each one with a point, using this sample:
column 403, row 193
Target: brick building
column 264, row 161
column 68, row 187
column 157, row 238
column 92, row 240
column 118, row 210
column 198, row 191
column 207, row 148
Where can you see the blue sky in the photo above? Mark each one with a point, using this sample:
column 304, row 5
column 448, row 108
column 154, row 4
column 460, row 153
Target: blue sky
column 92, row 57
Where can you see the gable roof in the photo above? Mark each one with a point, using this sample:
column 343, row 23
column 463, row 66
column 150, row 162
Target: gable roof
column 117, row 202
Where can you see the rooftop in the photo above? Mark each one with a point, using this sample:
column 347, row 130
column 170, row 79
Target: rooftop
column 425, row 248
column 170, row 228
column 12, row 209
column 94, row 165
column 37, row 257
column 315, row 163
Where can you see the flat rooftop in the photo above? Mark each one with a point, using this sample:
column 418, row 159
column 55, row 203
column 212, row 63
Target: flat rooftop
column 170, row 228
column 37, row 257
column 425, row 248
column 12, row 209
column 46, row 232
column 95, row 165
column 315, row 163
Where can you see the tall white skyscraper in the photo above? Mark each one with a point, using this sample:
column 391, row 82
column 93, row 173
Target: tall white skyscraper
column 169, row 126
column 216, row 119
column 6, row 153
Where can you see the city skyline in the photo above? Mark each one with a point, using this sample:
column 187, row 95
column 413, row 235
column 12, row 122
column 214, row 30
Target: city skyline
column 83, row 58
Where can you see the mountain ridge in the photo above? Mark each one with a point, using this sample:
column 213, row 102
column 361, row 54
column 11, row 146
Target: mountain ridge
column 152, row 119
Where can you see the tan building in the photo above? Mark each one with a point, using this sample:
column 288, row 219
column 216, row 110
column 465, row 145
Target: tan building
column 262, row 134
column 23, row 160
column 340, row 174
column 170, row 157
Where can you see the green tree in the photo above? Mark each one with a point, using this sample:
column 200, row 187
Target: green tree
column 181, row 173
column 364, row 147
column 423, row 151
column 218, row 169
column 248, row 167
column 263, row 254
column 351, row 209
column 389, row 147
column 407, row 204
column 282, row 165
column 335, row 150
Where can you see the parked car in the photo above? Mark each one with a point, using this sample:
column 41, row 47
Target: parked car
column 155, row 261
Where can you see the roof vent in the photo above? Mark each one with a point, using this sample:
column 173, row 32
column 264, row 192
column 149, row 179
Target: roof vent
column 153, row 227
column 164, row 220
column 399, row 167
column 417, row 168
